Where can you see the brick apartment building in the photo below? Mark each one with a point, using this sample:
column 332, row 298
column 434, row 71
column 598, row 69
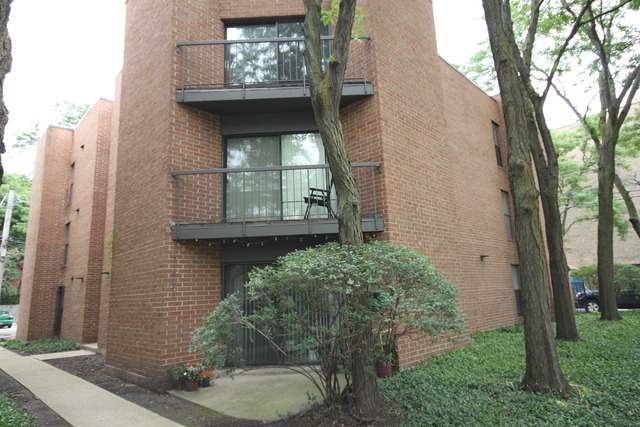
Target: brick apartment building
column 213, row 152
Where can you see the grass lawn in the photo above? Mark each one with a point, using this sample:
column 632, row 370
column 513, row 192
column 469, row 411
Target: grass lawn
column 479, row 385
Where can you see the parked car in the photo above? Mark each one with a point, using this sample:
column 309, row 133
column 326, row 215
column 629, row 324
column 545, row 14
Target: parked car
column 6, row 319
column 590, row 300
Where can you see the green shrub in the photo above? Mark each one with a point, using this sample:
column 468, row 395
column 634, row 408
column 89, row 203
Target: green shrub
column 479, row 385
column 327, row 296
column 11, row 415
column 625, row 277
column 41, row 346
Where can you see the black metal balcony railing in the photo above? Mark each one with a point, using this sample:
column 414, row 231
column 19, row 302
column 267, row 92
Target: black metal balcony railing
column 258, row 69
column 267, row 201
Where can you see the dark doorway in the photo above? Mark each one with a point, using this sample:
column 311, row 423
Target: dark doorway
column 256, row 349
column 57, row 319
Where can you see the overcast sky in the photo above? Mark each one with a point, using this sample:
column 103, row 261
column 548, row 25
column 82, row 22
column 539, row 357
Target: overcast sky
column 71, row 50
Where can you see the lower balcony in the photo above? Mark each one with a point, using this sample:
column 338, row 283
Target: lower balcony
column 271, row 201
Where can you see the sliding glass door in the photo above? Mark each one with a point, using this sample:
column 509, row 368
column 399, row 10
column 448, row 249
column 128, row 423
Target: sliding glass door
column 274, row 195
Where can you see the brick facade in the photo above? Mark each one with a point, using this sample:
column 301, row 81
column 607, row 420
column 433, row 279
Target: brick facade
column 65, row 237
column 430, row 128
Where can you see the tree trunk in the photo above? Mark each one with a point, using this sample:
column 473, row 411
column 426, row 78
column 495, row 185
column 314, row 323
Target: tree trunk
column 547, row 171
column 631, row 207
column 326, row 90
column 5, row 67
column 606, row 176
column 542, row 367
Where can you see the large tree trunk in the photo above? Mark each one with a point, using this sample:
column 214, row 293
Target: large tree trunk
column 326, row 90
column 542, row 367
column 613, row 111
column 606, row 177
column 546, row 162
column 5, row 67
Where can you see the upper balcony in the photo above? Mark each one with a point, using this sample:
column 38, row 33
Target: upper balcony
column 268, row 202
column 256, row 75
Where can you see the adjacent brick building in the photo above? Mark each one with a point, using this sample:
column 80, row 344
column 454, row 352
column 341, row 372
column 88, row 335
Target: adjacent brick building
column 214, row 152
column 62, row 275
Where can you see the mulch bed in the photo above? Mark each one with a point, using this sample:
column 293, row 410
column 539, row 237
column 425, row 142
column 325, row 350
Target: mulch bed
column 91, row 369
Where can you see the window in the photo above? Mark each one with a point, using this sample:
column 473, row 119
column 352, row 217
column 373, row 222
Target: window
column 65, row 255
column 72, row 173
column 274, row 194
column 507, row 214
column 267, row 62
column 515, row 275
column 496, row 143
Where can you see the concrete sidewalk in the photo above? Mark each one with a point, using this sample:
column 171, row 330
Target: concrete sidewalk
column 77, row 401
column 262, row 394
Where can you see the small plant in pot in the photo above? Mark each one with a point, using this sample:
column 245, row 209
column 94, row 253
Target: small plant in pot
column 187, row 377
column 207, row 377
column 384, row 362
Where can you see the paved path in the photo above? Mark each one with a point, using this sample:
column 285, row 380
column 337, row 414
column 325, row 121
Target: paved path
column 79, row 402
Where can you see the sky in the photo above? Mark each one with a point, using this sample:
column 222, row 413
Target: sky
column 71, row 50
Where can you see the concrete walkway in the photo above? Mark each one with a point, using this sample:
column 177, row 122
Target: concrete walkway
column 79, row 402
column 261, row 394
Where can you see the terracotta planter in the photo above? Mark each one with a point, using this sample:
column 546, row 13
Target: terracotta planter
column 384, row 371
column 190, row 385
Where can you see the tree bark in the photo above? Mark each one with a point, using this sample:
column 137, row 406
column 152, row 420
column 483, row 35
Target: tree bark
column 546, row 163
column 606, row 176
column 542, row 366
column 326, row 90
column 631, row 207
column 613, row 112
column 5, row 67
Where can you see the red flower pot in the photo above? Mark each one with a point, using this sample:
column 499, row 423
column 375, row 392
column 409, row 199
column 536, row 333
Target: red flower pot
column 190, row 385
column 384, row 371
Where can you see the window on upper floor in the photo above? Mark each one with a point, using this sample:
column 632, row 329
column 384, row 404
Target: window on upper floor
column 269, row 62
column 266, row 195
column 65, row 253
column 496, row 143
column 515, row 275
column 72, row 173
column 506, row 209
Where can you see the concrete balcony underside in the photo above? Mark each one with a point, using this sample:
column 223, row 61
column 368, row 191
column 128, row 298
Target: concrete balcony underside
column 248, row 100
column 231, row 230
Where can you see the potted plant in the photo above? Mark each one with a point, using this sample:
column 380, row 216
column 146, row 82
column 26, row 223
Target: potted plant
column 188, row 376
column 207, row 377
column 384, row 353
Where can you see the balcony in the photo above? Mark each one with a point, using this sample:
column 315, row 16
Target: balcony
column 259, row 75
column 268, row 202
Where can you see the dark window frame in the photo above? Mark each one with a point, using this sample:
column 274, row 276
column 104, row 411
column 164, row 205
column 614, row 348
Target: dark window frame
column 72, row 174
column 506, row 211
column 515, row 277
column 497, row 144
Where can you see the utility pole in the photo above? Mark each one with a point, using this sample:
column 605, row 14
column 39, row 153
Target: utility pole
column 5, row 235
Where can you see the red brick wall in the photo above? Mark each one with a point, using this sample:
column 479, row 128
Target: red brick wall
column 160, row 290
column 108, row 228
column 87, row 149
column 432, row 130
column 43, row 261
column 479, row 182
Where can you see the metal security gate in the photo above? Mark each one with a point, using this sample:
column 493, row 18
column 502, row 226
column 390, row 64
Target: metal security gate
column 256, row 349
